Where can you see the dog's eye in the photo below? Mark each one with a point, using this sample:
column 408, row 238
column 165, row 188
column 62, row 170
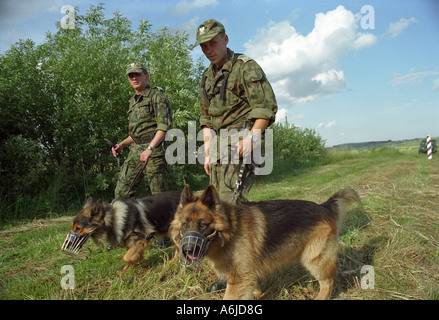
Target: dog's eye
column 202, row 225
column 186, row 222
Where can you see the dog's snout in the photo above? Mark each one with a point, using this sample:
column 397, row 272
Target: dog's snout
column 193, row 247
column 74, row 242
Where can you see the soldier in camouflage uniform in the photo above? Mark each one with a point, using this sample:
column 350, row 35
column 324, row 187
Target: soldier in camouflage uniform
column 234, row 94
column 149, row 117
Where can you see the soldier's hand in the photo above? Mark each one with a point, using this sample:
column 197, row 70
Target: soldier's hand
column 207, row 168
column 244, row 147
column 116, row 149
column 144, row 156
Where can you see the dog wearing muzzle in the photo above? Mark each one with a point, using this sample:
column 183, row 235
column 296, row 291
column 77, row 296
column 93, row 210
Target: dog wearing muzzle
column 125, row 222
column 246, row 243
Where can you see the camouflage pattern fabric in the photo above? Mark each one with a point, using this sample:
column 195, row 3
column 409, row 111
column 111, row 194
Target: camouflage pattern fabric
column 248, row 96
column 149, row 112
column 155, row 173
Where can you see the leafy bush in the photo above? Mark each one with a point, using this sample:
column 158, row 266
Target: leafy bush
column 297, row 145
column 58, row 100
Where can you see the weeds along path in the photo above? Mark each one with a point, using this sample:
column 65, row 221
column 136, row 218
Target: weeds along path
column 395, row 232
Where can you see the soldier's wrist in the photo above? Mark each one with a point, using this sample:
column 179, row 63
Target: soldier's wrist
column 253, row 137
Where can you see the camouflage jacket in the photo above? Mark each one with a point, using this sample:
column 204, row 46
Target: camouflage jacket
column 149, row 112
column 248, row 95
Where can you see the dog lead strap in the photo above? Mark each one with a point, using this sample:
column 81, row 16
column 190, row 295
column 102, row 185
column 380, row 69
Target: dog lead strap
column 238, row 182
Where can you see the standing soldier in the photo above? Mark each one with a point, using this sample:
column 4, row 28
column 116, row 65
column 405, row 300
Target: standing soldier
column 149, row 117
column 234, row 94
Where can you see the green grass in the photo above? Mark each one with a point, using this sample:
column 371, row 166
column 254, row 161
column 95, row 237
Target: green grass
column 395, row 232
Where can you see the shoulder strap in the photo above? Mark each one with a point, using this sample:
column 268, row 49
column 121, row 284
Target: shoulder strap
column 223, row 85
column 226, row 77
column 203, row 85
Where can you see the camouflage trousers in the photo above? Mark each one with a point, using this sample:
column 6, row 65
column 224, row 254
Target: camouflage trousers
column 224, row 177
column 155, row 172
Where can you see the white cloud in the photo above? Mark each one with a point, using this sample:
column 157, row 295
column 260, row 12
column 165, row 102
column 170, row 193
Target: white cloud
column 281, row 115
column 436, row 85
column 302, row 68
column 331, row 124
column 396, row 28
column 412, row 77
column 184, row 7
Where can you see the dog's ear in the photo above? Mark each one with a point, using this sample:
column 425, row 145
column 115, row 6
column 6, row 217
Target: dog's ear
column 186, row 196
column 210, row 197
column 98, row 209
column 88, row 203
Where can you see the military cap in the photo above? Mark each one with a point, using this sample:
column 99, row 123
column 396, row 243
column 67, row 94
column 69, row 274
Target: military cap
column 208, row 30
column 135, row 67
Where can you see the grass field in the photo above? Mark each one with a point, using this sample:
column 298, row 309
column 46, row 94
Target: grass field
column 395, row 232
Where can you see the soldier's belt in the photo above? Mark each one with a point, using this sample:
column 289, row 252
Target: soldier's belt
column 245, row 125
column 142, row 140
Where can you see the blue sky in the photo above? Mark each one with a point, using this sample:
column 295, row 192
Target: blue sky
column 354, row 71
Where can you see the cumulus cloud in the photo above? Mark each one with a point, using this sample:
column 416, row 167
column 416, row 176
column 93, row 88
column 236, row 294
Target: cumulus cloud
column 302, row 68
column 396, row 28
column 185, row 7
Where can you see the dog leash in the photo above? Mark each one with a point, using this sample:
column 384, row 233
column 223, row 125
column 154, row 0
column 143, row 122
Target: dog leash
column 137, row 175
column 238, row 182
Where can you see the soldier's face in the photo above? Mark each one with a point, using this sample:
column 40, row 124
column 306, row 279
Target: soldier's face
column 138, row 81
column 216, row 49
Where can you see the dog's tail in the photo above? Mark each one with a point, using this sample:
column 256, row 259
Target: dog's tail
column 341, row 203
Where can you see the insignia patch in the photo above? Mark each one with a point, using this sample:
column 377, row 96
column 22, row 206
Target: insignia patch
column 202, row 29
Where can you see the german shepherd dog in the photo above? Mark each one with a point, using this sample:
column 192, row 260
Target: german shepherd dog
column 247, row 243
column 126, row 222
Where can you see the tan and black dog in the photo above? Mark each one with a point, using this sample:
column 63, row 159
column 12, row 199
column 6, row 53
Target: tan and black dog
column 245, row 244
column 128, row 222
